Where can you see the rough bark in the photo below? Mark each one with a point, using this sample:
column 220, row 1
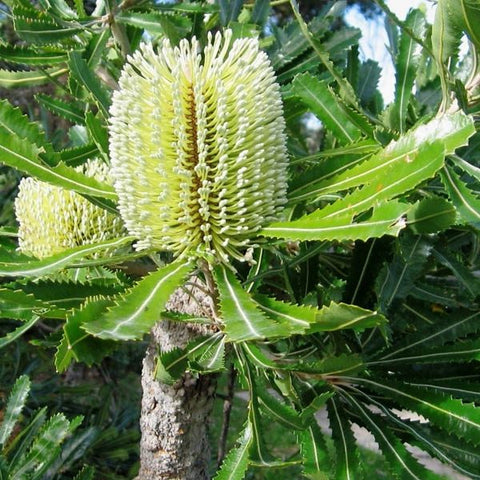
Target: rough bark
column 174, row 419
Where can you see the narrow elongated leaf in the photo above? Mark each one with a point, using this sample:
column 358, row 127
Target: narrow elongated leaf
column 44, row 30
column 136, row 311
column 347, row 458
column 87, row 473
column 340, row 316
column 398, row 276
column 407, row 62
column 432, row 215
column 452, row 415
column 315, row 459
column 45, row 448
column 63, row 109
column 449, row 329
column 25, row 156
column 29, row 78
column 242, row 319
column 76, row 344
column 38, row 268
column 15, row 404
column 465, row 200
column 26, row 55
column 298, row 317
column 82, row 73
column 325, row 105
column 235, row 464
column 368, row 80
column 229, row 10
column 392, row 448
column 19, row 331
column 78, row 155
column 19, row 305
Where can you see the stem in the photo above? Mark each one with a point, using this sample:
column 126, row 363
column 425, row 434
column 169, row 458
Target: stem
column 227, row 410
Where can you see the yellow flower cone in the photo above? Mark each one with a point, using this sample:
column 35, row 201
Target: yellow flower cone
column 197, row 146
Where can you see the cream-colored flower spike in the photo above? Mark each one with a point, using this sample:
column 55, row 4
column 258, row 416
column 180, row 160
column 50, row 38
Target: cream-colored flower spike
column 52, row 219
column 197, row 146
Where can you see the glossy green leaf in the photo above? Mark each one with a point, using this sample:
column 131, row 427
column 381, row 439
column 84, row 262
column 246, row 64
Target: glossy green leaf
column 315, row 459
column 136, row 311
column 19, row 331
column 235, row 464
column 46, row 447
column 15, row 404
column 19, row 305
column 61, row 108
column 447, row 329
column 451, row 415
column 465, row 200
column 36, row 27
column 322, row 101
column 85, row 77
column 340, row 316
column 24, row 156
column 39, row 268
column 78, row 155
column 406, row 66
column 431, row 215
column 347, row 457
column 29, row 78
column 76, row 344
column 400, row 459
column 27, row 55
column 240, row 314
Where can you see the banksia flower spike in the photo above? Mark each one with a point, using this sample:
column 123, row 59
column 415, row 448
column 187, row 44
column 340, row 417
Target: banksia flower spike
column 197, row 146
column 52, row 219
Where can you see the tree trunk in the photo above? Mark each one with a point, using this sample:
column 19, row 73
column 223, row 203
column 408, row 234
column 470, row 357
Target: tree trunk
column 174, row 419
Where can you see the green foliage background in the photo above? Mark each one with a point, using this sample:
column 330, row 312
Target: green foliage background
column 363, row 302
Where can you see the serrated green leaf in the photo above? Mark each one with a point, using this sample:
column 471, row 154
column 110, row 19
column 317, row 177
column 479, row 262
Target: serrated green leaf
column 24, row 156
column 137, row 310
column 78, row 155
column 315, row 460
column 325, row 105
column 97, row 131
column 35, row 27
column 235, row 464
column 399, row 156
column 38, row 268
column 451, row 415
column 465, row 200
column 63, row 109
column 447, row 329
column 398, row 276
column 29, row 78
column 298, row 317
column 27, row 55
column 45, row 447
column 401, row 174
column 20, row 305
column 15, row 404
column 85, row 77
column 340, row 316
column 369, row 77
column 156, row 23
column 242, row 319
column 431, row 215
column 19, row 331
column 76, row 344
column 401, row 461
column 347, row 458
column 406, row 65
column 331, row 366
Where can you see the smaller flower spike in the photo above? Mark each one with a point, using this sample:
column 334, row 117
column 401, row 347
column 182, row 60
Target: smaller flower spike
column 197, row 146
column 52, row 219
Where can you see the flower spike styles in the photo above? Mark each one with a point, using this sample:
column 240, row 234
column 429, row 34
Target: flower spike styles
column 197, row 146
column 52, row 219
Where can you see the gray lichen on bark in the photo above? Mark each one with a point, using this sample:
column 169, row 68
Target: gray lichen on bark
column 174, row 419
